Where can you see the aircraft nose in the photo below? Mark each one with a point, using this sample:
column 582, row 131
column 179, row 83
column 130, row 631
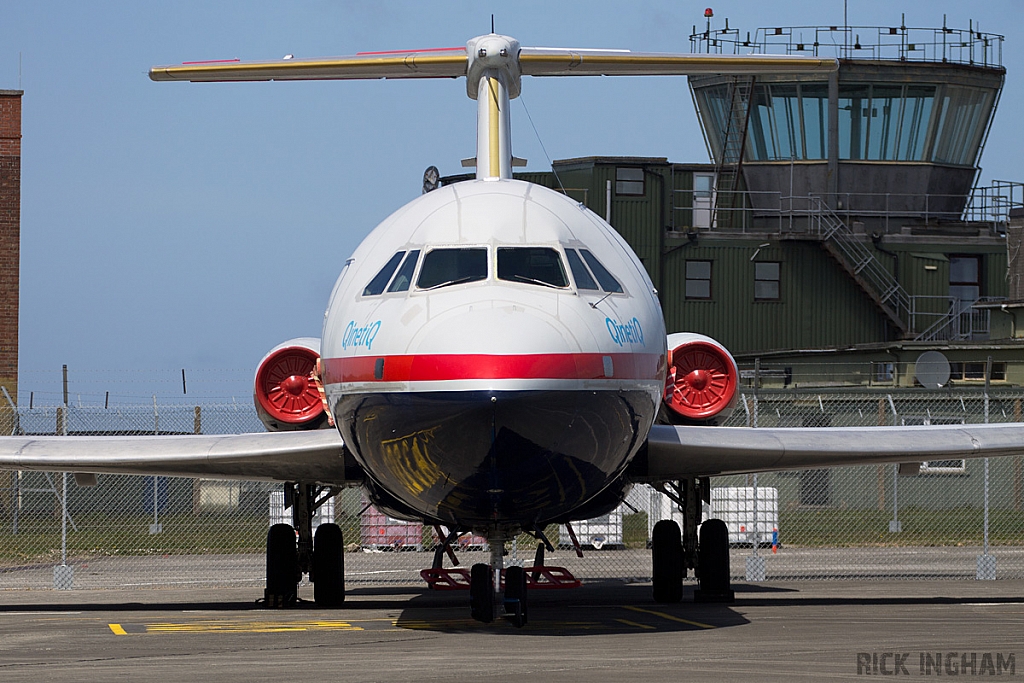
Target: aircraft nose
column 501, row 328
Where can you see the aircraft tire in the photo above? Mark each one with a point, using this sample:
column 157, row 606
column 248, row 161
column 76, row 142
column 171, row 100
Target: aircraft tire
column 481, row 593
column 713, row 557
column 515, row 596
column 283, row 573
column 667, row 562
column 328, row 574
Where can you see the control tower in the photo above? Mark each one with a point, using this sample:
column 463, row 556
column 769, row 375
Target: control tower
column 892, row 139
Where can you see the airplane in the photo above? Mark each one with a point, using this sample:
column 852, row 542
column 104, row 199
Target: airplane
column 493, row 360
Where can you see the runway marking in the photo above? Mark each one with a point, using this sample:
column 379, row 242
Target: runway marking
column 235, row 627
column 670, row 617
column 627, row 622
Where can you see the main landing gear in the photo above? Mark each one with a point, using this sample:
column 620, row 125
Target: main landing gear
column 673, row 552
column 293, row 551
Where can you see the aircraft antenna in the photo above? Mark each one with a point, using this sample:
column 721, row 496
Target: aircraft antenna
column 543, row 148
column 492, row 23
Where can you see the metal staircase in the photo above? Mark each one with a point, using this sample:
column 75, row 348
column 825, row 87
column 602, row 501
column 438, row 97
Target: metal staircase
column 730, row 162
column 858, row 261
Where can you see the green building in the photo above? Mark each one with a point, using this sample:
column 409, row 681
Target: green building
column 837, row 233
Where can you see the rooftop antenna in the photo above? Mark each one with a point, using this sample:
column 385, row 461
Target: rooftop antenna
column 846, row 29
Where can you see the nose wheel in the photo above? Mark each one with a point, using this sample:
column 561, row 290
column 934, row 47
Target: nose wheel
column 486, row 594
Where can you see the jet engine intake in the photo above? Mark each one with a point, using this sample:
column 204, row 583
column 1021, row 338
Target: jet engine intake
column 287, row 389
column 702, row 383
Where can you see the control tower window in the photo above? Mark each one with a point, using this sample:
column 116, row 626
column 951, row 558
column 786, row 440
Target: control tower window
column 442, row 267
column 788, row 121
column 962, row 113
column 532, row 265
column 380, row 280
column 884, row 122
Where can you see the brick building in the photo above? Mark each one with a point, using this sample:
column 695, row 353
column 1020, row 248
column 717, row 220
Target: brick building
column 10, row 231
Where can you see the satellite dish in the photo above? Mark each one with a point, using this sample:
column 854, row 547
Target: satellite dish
column 931, row 369
column 431, row 178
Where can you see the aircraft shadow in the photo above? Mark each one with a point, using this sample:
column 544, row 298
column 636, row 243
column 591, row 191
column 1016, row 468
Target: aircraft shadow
column 596, row 608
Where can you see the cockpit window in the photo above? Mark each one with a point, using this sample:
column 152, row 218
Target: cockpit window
column 533, row 265
column 404, row 276
column 608, row 282
column 443, row 267
column 579, row 271
column 380, row 280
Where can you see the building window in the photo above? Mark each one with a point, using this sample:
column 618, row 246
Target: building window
column 976, row 371
column 698, row 279
column 629, row 182
column 883, row 372
column 965, row 280
column 766, row 281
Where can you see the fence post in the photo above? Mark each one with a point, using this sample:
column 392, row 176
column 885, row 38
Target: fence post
column 197, row 428
column 63, row 575
column 986, row 563
column 156, row 527
column 895, row 526
column 1018, row 469
column 881, row 468
column 755, row 564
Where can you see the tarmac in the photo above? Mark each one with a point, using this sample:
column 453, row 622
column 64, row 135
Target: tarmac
column 607, row 630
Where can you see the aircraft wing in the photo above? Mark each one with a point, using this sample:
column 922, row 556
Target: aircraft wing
column 313, row 456
column 681, row 452
column 547, row 61
column 453, row 62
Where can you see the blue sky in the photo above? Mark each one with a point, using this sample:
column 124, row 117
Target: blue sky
column 172, row 225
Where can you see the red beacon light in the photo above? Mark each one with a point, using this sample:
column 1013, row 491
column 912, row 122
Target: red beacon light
column 708, row 13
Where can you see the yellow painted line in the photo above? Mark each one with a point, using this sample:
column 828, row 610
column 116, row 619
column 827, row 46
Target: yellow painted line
column 250, row 627
column 117, row 630
column 494, row 147
column 670, row 617
column 634, row 624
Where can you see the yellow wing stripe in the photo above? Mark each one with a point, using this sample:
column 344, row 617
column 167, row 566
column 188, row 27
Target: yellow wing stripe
column 392, row 66
column 583, row 64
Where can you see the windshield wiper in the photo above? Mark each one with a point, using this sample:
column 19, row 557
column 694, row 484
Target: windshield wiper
column 532, row 281
column 456, row 281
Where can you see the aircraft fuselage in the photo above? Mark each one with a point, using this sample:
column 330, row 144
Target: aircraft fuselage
column 504, row 380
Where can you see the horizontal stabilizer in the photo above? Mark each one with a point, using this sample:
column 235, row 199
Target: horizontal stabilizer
column 540, row 61
column 448, row 63
column 453, row 62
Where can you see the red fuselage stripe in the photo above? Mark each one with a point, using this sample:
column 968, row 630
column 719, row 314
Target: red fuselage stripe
column 407, row 52
column 441, row 367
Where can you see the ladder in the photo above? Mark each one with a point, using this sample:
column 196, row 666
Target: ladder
column 730, row 161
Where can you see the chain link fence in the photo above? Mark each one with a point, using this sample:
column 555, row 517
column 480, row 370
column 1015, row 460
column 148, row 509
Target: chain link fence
column 852, row 522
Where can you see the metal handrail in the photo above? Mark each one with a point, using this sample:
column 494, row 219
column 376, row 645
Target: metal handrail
column 902, row 43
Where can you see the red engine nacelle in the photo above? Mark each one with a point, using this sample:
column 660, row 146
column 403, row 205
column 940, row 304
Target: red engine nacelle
column 702, row 383
column 287, row 389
